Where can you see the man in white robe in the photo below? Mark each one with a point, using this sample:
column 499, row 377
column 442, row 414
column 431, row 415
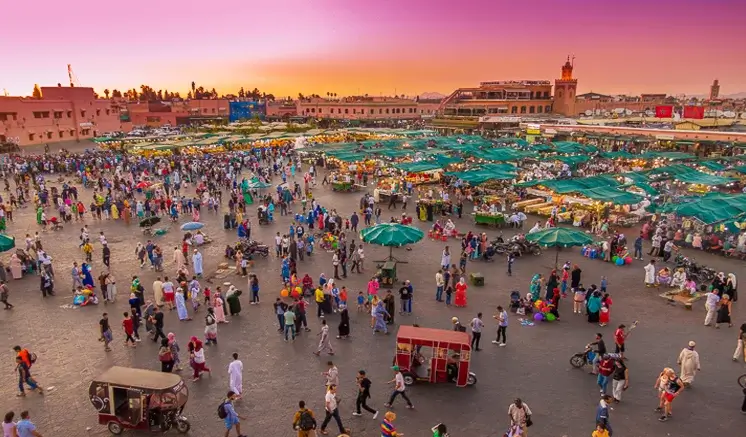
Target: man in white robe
column 689, row 361
column 197, row 262
column 235, row 371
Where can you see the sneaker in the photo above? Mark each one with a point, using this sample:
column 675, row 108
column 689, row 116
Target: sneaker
column 354, row 413
column 376, row 414
column 387, row 405
column 411, row 407
column 495, row 342
column 663, row 418
column 502, row 345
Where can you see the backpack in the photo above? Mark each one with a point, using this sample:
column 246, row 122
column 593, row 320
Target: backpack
column 222, row 412
column 306, row 422
column 32, row 357
column 165, row 356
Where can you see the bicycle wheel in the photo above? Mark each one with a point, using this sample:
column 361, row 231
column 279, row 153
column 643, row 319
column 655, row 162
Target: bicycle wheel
column 742, row 381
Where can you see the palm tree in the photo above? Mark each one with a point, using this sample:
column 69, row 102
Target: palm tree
column 106, row 93
column 194, row 89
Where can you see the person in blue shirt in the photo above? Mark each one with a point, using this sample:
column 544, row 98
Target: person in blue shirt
column 232, row 419
column 24, row 427
column 638, row 247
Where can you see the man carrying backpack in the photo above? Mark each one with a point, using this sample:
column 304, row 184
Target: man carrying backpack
column 229, row 415
column 304, row 421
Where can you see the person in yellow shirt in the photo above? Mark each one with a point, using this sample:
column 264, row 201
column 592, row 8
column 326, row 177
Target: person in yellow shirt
column 319, row 296
column 88, row 251
column 600, row 431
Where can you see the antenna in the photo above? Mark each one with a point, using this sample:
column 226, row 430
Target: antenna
column 573, row 60
column 73, row 78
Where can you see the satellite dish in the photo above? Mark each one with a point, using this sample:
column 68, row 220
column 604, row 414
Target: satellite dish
column 598, row 112
column 730, row 114
column 607, row 114
column 588, row 112
column 628, row 111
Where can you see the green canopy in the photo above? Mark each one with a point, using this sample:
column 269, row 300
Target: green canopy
column 559, row 237
column 611, row 194
column 419, row 166
column 504, row 154
column 689, row 175
column 644, row 186
column 711, row 165
column 6, row 243
column 563, row 186
column 571, row 147
column 618, row 155
column 391, row 234
column 741, row 169
column 671, row 156
column 714, row 209
column 571, row 160
column 392, row 153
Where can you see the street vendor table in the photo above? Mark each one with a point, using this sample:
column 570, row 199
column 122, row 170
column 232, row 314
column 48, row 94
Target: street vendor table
column 342, row 186
column 428, row 210
column 489, row 219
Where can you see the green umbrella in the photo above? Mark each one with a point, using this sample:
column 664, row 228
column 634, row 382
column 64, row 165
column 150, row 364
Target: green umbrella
column 559, row 237
column 391, row 234
column 7, row 243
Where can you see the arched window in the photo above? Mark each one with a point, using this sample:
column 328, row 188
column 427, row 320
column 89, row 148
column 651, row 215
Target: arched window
column 539, row 109
column 531, row 109
column 514, row 110
column 548, row 109
column 523, row 109
column 559, row 94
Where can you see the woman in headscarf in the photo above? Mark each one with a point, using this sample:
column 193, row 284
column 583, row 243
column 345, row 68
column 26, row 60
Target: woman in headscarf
column 719, row 283
column 535, row 287
column 114, row 211
column 679, row 279
column 165, row 357
column 148, row 313
column 175, row 349
column 594, row 307
column 219, row 306
column 731, row 287
column 724, row 311
column 232, row 298
column 211, row 326
column 389, row 302
column 181, row 308
column 379, row 315
column 16, row 267
column 552, row 283
column 605, row 315
column 460, row 298
column 197, row 358
column 87, row 277
column 575, row 276
column 344, row 322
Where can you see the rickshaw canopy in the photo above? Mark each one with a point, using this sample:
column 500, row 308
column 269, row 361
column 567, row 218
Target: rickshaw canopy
column 140, row 378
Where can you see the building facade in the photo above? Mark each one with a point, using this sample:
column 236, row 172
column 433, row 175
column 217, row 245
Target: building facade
column 61, row 114
column 499, row 98
column 359, row 108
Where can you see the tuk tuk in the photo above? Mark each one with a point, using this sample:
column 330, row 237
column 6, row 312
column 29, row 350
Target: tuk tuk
column 127, row 398
column 433, row 355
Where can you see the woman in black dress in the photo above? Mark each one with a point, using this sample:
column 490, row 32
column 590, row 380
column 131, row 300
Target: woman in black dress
column 575, row 276
column 344, row 323
column 724, row 312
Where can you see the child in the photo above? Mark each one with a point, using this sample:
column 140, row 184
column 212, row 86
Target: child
column 336, row 299
column 603, row 284
column 361, row 301
column 600, row 431
column 565, row 278
column 449, row 291
column 343, row 296
column 462, row 261
column 207, row 297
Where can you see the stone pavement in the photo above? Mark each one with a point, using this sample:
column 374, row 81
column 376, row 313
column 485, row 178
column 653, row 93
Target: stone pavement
column 534, row 366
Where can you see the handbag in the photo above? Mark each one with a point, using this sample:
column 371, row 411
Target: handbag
column 529, row 422
column 165, row 357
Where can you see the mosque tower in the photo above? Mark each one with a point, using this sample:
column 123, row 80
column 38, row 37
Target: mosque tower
column 565, row 91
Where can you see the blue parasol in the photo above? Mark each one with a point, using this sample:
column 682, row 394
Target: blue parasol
column 192, row 226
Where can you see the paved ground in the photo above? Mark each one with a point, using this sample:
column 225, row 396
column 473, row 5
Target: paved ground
column 533, row 366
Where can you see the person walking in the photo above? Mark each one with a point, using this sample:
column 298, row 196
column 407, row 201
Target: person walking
column 105, row 331
column 232, row 419
column 106, row 255
column 502, row 326
column 620, row 380
column 711, row 306
column 520, row 415
column 235, row 374
column 128, row 326
column 166, row 356
column 602, row 413
column 24, row 377
column 25, row 428
column 332, row 411
column 197, row 358
column 476, row 331
column 689, row 361
column 304, row 421
column 289, row 322
column 439, row 285
column 325, row 343
column 157, row 321
column 740, row 353
column 9, row 427
column 4, row 292
column 363, row 393
column 672, row 386
column 399, row 389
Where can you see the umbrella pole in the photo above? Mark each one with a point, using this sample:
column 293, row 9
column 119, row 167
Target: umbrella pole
column 556, row 258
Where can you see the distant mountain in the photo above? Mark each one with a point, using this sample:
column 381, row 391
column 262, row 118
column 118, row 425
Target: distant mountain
column 432, row 96
column 741, row 95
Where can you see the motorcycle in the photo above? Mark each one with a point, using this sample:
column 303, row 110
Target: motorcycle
column 700, row 274
column 584, row 358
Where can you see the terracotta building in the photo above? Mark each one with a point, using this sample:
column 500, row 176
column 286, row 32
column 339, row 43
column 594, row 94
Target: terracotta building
column 61, row 114
column 499, row 97
column 359, row 108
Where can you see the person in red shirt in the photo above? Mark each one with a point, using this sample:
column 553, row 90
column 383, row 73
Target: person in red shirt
column 24, row 355
column 605, row 369
column 620, row 336
column 128, row 325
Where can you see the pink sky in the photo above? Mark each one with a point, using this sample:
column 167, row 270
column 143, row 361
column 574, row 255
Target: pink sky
column 375, row 47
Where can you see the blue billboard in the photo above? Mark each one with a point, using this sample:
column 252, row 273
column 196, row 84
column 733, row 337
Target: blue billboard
column 247, row 110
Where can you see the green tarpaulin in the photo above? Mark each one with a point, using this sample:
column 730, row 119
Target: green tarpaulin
column 504, row 154
column 417, row 167
column 618, row 155
column 611, row 194
column 571, row 147
column 714, row 209
column 671, row 156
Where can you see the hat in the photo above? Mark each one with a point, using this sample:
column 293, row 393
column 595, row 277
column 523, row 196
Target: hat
column 396, row 368
column 454, row 319
column 692, row 344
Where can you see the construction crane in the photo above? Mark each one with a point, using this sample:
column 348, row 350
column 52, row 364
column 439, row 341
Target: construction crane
column 73, row 78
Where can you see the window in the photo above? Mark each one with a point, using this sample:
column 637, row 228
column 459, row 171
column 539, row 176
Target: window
column 354, row 110
column 531, row 110
column 62, row 134
column 547, row 109
column 523, row 109
column 546, row 94
column 108, row 112
column 370, row 111
column 82, row 113
column 559, row 94
column 88, row 131
column 57, row 114
column 380, row 110
column 49, row 135
column 41, row 114
column 98, row 112
column 514, row 110
column 347, row 110
column 72, row 132
column 539, row 109
column 213, row 110
column 31, row 137
column 313, row 110
column 69, row 114
column 387, row 110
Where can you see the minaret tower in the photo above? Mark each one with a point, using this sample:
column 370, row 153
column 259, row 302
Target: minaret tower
column 565, row 90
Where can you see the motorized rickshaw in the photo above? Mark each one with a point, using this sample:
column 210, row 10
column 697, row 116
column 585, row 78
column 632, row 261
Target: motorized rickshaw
column 433, row 355
column 127, row 398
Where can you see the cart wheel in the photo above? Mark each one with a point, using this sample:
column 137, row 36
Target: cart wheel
column 472, row 379
column 409, row 379
column 742, row 381
column 577, row 361
column 115, row 428
column 183, row 425
column 537, row 251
